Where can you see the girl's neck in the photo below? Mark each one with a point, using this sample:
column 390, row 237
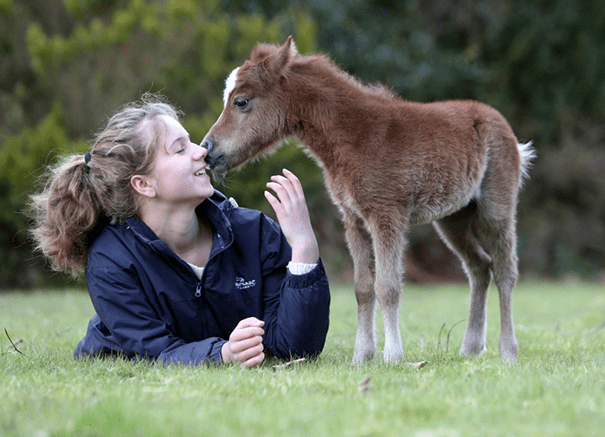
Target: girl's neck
column 182, row 230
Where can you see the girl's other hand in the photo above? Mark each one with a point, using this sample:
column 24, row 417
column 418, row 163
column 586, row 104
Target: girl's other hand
column 245, row 343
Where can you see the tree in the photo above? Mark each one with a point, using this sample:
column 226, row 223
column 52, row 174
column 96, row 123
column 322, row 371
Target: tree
column 69, row 64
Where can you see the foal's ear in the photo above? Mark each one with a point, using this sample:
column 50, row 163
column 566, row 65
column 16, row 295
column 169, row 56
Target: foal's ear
column 276, row 64
column 289, row 45
column 285, row 53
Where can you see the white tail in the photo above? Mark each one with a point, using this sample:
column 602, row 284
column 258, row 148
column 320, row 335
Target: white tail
column 528, row 154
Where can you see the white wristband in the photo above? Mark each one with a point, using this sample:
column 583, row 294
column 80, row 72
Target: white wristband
column 300, row 268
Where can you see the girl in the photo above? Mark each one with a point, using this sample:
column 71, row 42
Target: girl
column 175, row 271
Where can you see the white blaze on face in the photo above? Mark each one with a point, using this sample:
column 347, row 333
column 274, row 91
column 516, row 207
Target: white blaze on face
column 229, row 85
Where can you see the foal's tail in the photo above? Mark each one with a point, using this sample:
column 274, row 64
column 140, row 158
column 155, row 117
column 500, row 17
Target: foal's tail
column 528, row 154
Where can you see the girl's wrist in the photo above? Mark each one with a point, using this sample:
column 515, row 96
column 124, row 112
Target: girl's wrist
column 226, row 352
column 307, row 253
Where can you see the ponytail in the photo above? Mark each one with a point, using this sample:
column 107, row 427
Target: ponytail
column 66, row 212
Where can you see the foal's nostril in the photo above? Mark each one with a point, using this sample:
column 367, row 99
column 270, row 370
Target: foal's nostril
column 207, row 144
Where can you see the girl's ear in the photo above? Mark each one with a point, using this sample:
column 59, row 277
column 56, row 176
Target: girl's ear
column 142, row 186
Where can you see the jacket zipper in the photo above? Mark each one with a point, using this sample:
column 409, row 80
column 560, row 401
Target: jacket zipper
column 198, row 287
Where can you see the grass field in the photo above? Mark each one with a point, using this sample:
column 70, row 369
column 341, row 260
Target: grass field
column 557, row 388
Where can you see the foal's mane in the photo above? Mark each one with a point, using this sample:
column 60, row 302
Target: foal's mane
column 319, row 65
column 323, row 65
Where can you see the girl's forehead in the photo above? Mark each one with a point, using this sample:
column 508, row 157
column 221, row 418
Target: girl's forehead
column 172, row 126
column 161, row 131
column 166, row 128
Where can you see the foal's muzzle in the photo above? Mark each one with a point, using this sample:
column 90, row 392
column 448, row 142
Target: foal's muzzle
column 211, row 158
column 215, row 161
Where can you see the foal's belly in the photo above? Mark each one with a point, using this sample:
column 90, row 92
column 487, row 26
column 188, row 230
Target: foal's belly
column 422, row 210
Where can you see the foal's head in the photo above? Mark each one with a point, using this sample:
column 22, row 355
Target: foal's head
column 253, row 118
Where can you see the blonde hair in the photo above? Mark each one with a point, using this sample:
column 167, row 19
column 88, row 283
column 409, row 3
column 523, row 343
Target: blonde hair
column 82, row 194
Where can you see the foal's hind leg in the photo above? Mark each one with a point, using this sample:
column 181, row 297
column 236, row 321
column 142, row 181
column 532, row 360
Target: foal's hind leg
column 499, row 237
column 458, row 233
column 360, row 247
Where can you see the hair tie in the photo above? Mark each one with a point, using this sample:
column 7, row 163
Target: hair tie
column 87, row 159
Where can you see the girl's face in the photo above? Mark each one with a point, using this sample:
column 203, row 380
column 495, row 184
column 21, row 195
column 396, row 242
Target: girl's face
column 179, row 170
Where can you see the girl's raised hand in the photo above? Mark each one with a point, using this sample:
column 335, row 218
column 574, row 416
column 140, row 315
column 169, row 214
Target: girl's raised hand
column 292, row 214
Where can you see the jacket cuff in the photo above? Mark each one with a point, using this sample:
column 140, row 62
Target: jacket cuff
column 216, row 355
column 307, row 279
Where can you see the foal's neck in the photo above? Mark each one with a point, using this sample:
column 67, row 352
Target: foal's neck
column 330, row 109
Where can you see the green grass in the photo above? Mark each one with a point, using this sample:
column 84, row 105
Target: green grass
column 556, row 389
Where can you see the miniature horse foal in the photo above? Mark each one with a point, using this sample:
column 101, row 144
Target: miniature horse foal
column 388, row 164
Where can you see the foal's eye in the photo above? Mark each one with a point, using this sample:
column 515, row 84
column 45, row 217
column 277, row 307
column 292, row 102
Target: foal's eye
column 240, row 102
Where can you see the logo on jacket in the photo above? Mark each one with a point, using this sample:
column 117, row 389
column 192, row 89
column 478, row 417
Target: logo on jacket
column 242, row 284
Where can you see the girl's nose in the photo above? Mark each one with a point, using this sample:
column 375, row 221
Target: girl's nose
column 199, row 152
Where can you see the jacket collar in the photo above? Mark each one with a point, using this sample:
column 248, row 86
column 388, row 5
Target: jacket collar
column 214, row 209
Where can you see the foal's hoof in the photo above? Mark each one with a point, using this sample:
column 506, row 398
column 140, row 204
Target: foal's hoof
column 508, row 352
column 508, row 357
column 472, row 349
column 393, row 356
column 360, row 358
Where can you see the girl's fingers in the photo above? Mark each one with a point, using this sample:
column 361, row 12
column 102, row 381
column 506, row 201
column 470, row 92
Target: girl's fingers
column 289, row 181
column 275, row 204
column 250, row 322
column 255, row 360
column 238, row 346
column 249, row 356
column 283, row 188
column 247, row 329
column 295, row 182
column 289, row 191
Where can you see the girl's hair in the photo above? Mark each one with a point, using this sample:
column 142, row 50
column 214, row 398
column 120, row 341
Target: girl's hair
column 81, row 195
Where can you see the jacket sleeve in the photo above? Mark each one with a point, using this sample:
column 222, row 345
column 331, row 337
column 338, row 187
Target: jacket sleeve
column 297, row 307
column 127, row 323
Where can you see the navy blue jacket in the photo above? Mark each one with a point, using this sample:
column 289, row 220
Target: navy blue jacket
column 149, row 303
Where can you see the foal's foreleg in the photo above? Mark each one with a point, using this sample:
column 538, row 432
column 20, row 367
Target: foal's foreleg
column 360, row 247
column 389, row 248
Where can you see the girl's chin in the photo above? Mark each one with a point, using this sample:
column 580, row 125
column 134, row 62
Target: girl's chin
column 208, row 192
